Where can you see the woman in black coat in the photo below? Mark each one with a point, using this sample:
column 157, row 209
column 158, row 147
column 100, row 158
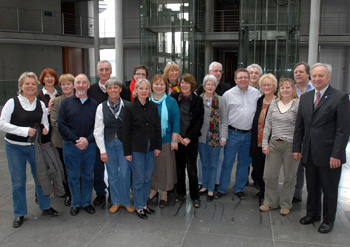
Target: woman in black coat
column 191, row 121
column 268, row 86
column 142, row 141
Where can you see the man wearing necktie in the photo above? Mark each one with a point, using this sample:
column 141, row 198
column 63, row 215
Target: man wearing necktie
column 320, row 138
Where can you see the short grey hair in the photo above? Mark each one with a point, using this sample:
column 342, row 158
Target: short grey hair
column 113, row 82
column 254, row 65
column 104, row 61
column 137, row 84
column 23, row 76
column 326, row 65
column 214, row 63
column 210, row 78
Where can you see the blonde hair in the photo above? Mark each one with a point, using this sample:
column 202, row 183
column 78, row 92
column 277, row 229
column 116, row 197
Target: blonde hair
column 292, row 84
column 65, row 77
column 169, row 66
column 138, row 83
column 266, row 77
column 23, row 76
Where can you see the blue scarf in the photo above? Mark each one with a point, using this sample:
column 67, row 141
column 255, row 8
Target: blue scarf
column 164, row 114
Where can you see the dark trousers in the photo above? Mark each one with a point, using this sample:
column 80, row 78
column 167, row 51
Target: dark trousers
column 258, row 163
column 187, row 157
column 99, row 172
column 318, row 180
column 65, row 184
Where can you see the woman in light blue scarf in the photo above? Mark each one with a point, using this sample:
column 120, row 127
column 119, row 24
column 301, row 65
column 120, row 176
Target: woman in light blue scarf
column 164, row 172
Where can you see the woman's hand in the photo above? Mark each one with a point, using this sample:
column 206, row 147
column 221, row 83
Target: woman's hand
column 128, row 157
column 104, row 157
column 185, row 141
column 222, row 143
column 156, row 152
column 266, row 150
column 174, row 146
column 31, row 132
column 50, row 105
column 45, row 132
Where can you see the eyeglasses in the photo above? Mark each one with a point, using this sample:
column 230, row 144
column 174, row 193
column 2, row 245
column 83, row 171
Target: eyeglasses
column 216, row 71
column 140, row 74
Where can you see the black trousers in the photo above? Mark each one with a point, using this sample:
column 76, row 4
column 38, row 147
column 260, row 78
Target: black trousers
column 258, row 163
column 186, row 157
column 318, row 180
column 99, row 172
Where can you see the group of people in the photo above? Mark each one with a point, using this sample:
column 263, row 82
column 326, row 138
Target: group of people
column 146, row 134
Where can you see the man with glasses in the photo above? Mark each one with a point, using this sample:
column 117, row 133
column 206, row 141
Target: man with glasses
column 241, row 102
column 215, row 69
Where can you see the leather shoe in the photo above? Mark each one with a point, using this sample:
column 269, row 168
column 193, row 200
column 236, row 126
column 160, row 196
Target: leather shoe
column 67, row 200
column 99, row 200
column 74, row 211
column 196, row 203
column 115, row 208
column 90, row 209
column 307, row 220
column 142, row 214
column 202, row 192
column 218, row 195
column 130, row 209
column 210, row 198
column 50, row 212
column 162, row 203
column 325, row 227
column 17, row 222
column 149, row 210
column 240, row 195
column 296, row 200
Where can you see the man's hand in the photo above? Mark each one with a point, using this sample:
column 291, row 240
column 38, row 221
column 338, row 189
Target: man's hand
column 297, row 156
column 334, row 163
column 82, row 143
column 266, row 150
column 104, row 157
column 128, row 157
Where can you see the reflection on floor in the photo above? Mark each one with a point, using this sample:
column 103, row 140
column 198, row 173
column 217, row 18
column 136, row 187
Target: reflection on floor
column 224, row 222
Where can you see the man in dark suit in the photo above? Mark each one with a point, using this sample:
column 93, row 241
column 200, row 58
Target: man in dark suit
column 320, row 138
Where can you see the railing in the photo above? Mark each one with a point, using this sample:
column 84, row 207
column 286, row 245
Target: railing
column 46, row 22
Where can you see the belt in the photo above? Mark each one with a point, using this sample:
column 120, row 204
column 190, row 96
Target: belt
column 238, row 130
column 280, row 140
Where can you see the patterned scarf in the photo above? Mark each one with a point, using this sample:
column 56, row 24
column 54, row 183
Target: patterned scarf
column 174, row 87
column 214, row 121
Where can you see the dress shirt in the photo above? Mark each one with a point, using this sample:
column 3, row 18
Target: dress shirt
column 7, row 111
column 52, row 96
column 308, row 88
column 321, row 92
column 102, row 87
column 241, row 107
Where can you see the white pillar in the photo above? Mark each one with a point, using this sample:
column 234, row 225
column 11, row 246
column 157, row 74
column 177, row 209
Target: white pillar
column 209, row 24
column 96, row 33
column 119, row 52
column 315, row 10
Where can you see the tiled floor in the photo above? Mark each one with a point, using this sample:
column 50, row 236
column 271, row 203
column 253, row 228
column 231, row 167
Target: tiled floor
column 224, row 222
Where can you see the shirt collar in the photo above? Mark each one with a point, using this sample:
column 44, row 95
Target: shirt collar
column 322, row 91
column 48, row 93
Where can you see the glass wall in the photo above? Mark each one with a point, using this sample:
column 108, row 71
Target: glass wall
column 170, row 31
column 269, row 35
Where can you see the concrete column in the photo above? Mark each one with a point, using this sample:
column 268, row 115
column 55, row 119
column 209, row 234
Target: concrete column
column 119, row 48
column 315, row 10
column 209, row 24
column 96, row 33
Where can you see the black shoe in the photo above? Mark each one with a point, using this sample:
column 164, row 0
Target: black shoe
column 306, row 220
column 99, row 200
column 180, row 198
column 67, row 200
column 240, row 195
column 90, row 209
column 149, row 210
column 18, row 221
column 325, row 227
column 50, row 212
column 162, row 203
column 210, row 198
column 296, row 200
column 203, row 192
column 196, row 203
column 200, row 186
column 36, row 198
column 218, row 195
column 142, row 214
column 74, row 211
column 216, row 187
column 155, row 196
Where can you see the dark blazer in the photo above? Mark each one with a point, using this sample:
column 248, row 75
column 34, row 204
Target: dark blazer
column 139, row 127
column 256, row 151
column 325, row 130
column 45, row 98
column 196, row 115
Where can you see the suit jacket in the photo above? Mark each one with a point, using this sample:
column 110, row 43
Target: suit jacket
column 56, row 137
column 139, row 127
column 324, row 131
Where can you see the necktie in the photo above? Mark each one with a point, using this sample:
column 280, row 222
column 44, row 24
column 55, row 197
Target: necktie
column 318, row 98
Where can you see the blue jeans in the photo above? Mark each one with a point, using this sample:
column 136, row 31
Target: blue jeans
column 142, row 168
column 80, row 168
column 218, row 168
column 237, row 142
column 209, row 157
column 17, row 157
column 118, row 173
